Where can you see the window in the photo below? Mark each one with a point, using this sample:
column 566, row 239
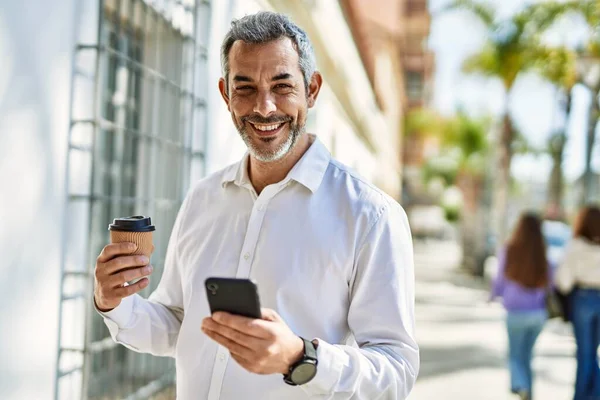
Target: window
column 415, row 44
column 133, row 152
column 416, row 7
column 414, row 85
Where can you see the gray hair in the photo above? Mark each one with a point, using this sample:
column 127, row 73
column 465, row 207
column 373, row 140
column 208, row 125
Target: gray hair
column 264, row 27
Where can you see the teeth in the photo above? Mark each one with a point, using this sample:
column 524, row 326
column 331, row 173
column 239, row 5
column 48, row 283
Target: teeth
column 267, row 127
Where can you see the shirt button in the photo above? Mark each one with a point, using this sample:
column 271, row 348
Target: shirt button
column 246, row 256
column 222, row 357
column 261, row 207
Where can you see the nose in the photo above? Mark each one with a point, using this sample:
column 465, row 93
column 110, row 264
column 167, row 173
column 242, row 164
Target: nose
column 265, row 104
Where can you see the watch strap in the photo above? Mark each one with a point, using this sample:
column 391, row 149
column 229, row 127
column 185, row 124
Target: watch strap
column 310, row 353
column 310, row 350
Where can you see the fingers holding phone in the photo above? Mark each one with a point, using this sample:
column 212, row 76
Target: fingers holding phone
column 257, row 338
column 117, row 274
column 261, row 346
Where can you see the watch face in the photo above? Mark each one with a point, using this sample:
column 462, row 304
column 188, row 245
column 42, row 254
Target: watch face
column 303, row 373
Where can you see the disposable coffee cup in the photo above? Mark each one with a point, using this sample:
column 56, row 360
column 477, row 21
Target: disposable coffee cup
column 137, row 229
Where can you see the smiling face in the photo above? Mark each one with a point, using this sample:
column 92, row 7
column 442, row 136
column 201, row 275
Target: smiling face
column 266, row 96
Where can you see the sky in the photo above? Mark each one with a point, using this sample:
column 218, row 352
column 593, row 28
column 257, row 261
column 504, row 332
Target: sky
column 533, row 102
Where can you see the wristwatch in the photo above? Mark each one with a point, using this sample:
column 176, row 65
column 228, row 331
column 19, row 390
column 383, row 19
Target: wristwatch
column 304, row 370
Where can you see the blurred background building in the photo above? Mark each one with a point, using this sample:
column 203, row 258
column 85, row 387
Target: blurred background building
column 418, row 65
column 110, row 108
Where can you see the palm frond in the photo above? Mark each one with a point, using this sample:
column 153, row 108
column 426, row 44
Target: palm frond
column 486, row 62
column 423, row 122
column 541, row 16
column 592, row 49
column 590, row 9
column 557, row 65
column 484, row 12
column 468, row 134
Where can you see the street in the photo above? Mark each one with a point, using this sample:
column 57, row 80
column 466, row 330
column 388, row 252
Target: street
column 463, row 340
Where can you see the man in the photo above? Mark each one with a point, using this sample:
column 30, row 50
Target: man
column 331, row 254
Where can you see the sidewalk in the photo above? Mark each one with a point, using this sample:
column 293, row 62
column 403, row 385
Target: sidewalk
column 463, row 339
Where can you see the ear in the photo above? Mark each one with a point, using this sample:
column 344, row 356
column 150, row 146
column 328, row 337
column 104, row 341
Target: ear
column 314, row 88
column 223, row 90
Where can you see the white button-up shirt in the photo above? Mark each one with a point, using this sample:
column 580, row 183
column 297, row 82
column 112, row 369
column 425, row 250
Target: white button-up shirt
column 329, row 252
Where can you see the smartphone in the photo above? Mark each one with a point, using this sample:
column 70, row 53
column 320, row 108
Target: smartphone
column 233, row 295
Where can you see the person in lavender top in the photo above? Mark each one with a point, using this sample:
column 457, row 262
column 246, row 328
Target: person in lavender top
column 522, row 281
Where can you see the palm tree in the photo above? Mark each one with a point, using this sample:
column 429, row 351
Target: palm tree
column 463, row 162
column 471, row 137
column 509, row 50
column 543, row 15
column 557, row 65
column 593, row 54
column 555, row 149
column 421, row 125
column 590, row 9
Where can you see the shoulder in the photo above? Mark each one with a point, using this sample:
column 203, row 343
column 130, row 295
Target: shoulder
column 579, row 243
column 207, row 191
column 575, row 246
column 212, row 182
column 358, row 194
column 583, row 249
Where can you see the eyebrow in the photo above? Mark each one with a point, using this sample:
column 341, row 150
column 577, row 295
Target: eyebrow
column 241, row 78
column 282, row 76
column 278, row 77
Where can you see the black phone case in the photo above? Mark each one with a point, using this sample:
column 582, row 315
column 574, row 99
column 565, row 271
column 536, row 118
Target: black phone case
column 233, row 295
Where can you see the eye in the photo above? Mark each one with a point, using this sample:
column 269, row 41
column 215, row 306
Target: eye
column 243, row 88
column 283, row 86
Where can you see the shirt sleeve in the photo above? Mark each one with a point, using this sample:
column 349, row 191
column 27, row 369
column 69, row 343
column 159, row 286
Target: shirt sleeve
column 152, row 325
column 564, row 278
column 499, row 282
column 381, row 317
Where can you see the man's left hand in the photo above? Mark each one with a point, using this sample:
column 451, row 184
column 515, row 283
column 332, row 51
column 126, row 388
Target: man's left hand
column 262, row 346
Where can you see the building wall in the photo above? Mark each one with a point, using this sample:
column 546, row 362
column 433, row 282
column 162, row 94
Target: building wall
column 36, row 43
column 419, row 64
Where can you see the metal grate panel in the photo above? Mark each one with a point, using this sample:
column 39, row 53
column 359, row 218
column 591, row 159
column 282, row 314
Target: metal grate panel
column 137, row 136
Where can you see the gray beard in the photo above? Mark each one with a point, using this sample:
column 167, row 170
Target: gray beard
column 262, row 155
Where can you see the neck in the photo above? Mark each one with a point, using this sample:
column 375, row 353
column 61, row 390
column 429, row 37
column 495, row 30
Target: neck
column 263, row 174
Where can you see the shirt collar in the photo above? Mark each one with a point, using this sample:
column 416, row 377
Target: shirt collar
column 308, row 171
column 237, row 173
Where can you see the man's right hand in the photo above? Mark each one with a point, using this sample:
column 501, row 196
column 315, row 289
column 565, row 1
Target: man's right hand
column 114, row 267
